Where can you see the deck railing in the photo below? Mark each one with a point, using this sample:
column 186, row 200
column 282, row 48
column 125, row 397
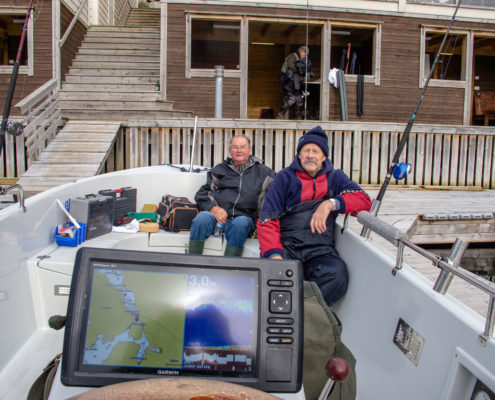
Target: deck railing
column 41, row 123
column 439, row 155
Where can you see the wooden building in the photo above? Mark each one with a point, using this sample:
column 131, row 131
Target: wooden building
column 393, row 44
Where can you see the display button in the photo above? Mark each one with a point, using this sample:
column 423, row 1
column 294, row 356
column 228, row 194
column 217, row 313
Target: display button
column 279, row 340
column 280, row 301
column 274, row 282
column 280, row 321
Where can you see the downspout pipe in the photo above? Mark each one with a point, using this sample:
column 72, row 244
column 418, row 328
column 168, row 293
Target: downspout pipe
column 219, row 72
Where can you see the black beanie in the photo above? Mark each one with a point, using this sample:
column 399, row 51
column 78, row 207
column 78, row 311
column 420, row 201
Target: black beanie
column 316, row 136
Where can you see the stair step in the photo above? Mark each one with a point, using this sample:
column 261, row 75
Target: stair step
column 117, row 65
column 121, row 28
column 117, row 52
column 117, row 58
column 87, row 95
column 115, row 39
column 114, row 79
column 112, row 72
column 125, row 115
column 115, row 105
column 107, row 87
column 122, row 34
column 121, row 46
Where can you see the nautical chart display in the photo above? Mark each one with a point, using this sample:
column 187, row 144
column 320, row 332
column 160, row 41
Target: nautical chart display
column 173, row 320
column 143, row 314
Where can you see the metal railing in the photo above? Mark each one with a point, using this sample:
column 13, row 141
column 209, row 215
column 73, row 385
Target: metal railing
column 450, row 266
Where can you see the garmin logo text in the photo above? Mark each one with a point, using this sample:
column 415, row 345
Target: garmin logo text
column 167, row 372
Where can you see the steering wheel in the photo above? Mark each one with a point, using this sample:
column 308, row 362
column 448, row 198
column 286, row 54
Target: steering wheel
column 175, row 389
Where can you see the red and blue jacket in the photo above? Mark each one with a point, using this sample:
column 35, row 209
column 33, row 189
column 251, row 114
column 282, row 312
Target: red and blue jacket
column 283, row 226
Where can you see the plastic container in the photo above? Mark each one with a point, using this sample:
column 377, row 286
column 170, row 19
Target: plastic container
column 77, row 239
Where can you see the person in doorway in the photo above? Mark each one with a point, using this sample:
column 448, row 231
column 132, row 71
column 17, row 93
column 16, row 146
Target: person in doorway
column 230, row 198
column 297, row 219
column 295, row 69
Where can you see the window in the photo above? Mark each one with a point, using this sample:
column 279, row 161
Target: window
column 213, row 42
column 355, row 49
column 10, row 36
column 451, row 65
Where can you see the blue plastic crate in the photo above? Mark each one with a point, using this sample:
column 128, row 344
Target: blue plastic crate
column 77, row 239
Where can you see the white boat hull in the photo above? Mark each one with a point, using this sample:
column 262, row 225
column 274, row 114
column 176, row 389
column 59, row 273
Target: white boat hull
column 31, row 265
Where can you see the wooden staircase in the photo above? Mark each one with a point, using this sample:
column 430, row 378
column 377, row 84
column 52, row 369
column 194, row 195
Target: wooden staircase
column 113, row 78
column 115, row 74
column 78, row 151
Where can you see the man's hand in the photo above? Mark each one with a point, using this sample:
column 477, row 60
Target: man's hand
column 219, row 213
column 277, row 257
column 319, row 220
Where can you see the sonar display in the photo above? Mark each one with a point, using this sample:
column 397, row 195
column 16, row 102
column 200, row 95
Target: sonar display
column 200, row 320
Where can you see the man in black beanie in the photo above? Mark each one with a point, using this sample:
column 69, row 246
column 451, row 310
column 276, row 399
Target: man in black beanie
column 297, row 219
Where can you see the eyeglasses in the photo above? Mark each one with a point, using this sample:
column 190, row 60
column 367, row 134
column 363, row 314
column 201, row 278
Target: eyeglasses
column 237, row 148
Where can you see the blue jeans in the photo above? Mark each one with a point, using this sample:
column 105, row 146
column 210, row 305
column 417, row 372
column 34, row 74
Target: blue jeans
column 330, row 274
column 235, row 230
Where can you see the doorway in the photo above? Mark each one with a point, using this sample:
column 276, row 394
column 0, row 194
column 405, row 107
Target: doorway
column 269, row 44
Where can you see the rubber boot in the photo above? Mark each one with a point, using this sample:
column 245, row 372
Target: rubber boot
column 232, row 251
column 196, row 246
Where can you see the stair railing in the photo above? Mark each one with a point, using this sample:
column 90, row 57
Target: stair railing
column 42, row 119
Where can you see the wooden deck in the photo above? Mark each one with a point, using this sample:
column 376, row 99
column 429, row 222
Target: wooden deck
column 401, row 207
column 78, row 151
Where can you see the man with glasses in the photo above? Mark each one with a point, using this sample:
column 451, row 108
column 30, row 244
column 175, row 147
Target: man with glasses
column 230, row 198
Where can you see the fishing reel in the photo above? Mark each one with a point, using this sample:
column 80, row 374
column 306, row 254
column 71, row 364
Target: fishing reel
column 14, row 128
column 401, row 170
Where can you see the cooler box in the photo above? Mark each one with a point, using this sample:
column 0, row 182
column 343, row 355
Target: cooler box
column 125, row 201
column 96, row 211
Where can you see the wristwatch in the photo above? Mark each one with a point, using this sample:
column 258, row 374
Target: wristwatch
column 334, row 204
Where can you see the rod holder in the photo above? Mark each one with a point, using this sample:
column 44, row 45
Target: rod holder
column 454, row 260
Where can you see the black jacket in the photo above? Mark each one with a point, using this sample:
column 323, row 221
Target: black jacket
column 237, row 190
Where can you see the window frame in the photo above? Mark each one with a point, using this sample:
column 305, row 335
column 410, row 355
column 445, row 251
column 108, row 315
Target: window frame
column 23, row 69
column 374, row 78
column 210, row 72
column 466, row 56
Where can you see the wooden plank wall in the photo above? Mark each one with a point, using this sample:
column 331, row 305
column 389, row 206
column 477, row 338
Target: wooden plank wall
column 74, row 40
column 446, row 157
column 42, row 57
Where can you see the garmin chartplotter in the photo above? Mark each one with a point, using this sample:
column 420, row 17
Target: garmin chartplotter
column 137, row 315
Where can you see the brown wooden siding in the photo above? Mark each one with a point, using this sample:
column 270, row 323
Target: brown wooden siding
column 74, row 40
column 392, row 101
column 42, row 57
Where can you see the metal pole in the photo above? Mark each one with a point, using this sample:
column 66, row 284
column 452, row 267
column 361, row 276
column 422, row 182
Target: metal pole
column 218, row 90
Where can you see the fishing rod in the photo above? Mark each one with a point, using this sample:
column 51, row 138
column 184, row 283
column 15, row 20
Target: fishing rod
column 375, row 207
column 6, row 126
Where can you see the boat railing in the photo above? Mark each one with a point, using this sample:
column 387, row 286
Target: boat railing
column 450, row 265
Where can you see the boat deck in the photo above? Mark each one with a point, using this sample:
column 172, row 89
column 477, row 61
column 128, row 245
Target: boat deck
column 401, row 207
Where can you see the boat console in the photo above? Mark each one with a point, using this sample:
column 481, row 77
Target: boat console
column 140, row 314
